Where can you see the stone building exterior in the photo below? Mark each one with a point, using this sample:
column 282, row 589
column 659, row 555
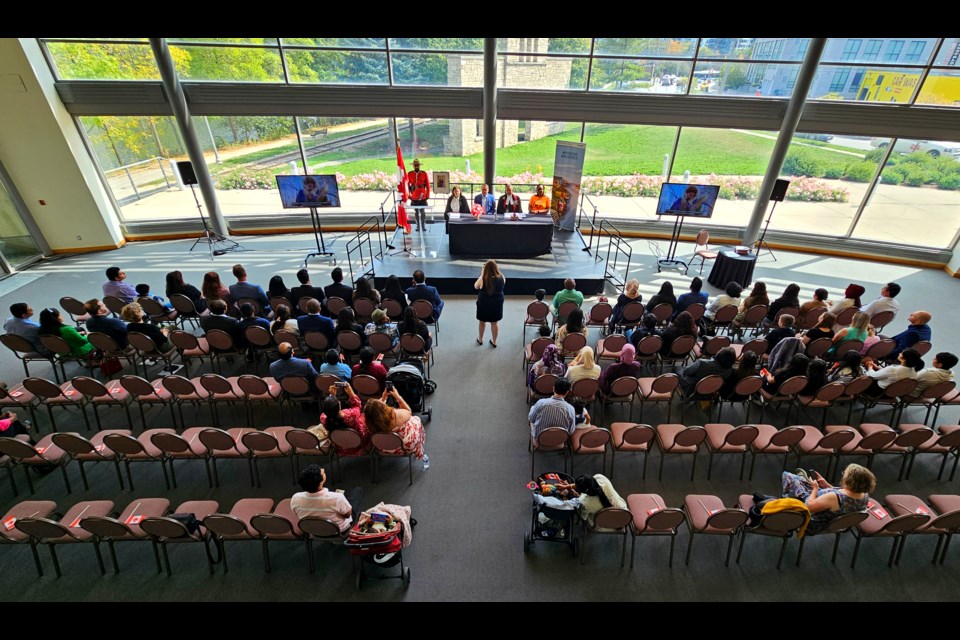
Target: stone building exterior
column 527, row 71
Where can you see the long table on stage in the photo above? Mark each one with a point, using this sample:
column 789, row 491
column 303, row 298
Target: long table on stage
column 488, row 238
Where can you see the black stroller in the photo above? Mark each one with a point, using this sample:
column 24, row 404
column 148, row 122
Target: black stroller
column 552, row 515
column 410, row 382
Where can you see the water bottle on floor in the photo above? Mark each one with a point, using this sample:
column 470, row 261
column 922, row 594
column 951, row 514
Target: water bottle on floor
column 426, row 462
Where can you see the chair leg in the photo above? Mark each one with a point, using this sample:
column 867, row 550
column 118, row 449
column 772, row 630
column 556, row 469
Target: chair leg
column 56, row 563
column 36, row 557
column 113, row 557
column 266, row 554
column 83, row 476
column 66, row 480
column 783, row 550
column 689, row 548
column 96, row 550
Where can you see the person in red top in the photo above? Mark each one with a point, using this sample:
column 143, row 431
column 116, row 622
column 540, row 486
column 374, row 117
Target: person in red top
column 418, row 186
column 367, row 366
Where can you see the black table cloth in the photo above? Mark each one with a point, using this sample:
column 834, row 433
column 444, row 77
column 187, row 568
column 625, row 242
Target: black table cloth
column 731, row 267
column 488, row 238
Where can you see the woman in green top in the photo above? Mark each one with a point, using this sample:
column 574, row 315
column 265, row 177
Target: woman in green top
column 51, row 324
column 856, row 331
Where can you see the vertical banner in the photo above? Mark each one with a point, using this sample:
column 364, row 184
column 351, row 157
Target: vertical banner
column 567, row 173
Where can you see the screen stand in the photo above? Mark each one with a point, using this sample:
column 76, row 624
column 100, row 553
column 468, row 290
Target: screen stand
column 760, row 244
column 670, row 260
column 212, row 237
column 318, row 237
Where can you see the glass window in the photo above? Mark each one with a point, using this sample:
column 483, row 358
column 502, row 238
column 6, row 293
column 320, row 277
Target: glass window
column 266, row 41
column 872, row 50
column 234, row 64
column 15, row 241
column 531, row 71
column 851, row 49
column 915, row 51
column 568, row 45
column 645, row 76
column 526, row 150
column 949, row 54
column 941, row 88
column 858, row 50
column 918, row 199
column 744, row 79
column 439, row 44
column 438, row 69
column 788, row 49
column 894, row 47
column 330, row 66
column 655, row 47
column 736, row 160
column 103, row 61
column 873, row 84
column 352, row 43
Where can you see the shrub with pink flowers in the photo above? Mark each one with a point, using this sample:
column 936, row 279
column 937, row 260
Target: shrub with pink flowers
column 246, row 179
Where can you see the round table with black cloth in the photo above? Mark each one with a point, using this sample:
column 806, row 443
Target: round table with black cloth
column 490, row 306
column 731, row 267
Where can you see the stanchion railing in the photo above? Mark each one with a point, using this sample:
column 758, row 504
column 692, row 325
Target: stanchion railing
column 360, row 249
column 619, row 252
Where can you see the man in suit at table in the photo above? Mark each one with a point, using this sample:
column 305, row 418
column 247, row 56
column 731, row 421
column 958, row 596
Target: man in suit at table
column 422, row 291
column 486, row 199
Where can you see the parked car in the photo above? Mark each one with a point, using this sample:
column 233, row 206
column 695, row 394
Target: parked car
column 820, row 137
column 934, row 148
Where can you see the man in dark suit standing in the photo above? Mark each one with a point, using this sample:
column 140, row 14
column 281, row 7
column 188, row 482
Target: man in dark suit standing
column 338, row 289
column 422, row 291
column 305, row 290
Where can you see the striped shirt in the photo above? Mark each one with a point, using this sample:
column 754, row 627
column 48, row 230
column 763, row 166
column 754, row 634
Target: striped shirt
column 551, row 412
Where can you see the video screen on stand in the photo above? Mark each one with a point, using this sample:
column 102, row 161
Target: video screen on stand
column 298, row 192
column 683, row 199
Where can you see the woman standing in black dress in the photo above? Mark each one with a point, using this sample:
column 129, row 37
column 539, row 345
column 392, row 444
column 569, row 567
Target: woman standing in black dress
column 489, row 288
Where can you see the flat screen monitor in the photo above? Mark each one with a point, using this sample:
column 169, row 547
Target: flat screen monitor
column 684, row 199
column 298, row 192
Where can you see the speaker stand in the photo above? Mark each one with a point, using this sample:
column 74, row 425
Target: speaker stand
column 211, row 237
column 318, row 237
column 760, row 244
column 671, row 260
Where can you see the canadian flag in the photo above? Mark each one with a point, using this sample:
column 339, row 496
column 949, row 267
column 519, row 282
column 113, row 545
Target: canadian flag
column 404, row 193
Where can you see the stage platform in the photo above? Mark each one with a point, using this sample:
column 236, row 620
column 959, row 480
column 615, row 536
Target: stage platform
column 430, row 252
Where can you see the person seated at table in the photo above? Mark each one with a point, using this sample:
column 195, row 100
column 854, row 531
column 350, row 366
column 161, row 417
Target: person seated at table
column 784, row 330
column 664, row 296
column 625, row 366
column 539, row 203
column 457, row 204
column 693, row 296
column 583, row 366
column 574, row 324
column 509, row 202
column 631, row 293
column 682, row 325
column 824, row 328
column 797, row 366
column 790, row 298
column 815, row 305
column 647, row 327
column 486, row 199
column 851, row 298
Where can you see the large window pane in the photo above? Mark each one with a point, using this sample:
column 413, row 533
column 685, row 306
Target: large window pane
column 949, row 55
column 324, row 66
column 103, row 61
column 439, row 69
column 16, row 244
column 658, row 47
column 644, row 76
column 237, row 64
column 941, row 88
column 918, row 199
column 864, row 84
column 266, row 41
column 439, row 44
column 355, row 43
column 902, row 50
column 526, row 150
column 530, row 71
column 569, row 45
column 744, row 79
column 787, row 49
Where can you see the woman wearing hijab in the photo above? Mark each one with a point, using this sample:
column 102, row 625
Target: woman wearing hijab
column 631, row 293
column 851, row 298
column 625, row 366
column 549, row 362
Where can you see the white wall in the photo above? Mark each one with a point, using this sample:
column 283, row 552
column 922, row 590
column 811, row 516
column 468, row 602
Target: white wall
column 44, row 154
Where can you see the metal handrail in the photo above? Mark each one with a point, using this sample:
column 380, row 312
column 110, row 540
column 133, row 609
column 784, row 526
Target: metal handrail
column 125, row 170
column 361, row 240
column 617, row 248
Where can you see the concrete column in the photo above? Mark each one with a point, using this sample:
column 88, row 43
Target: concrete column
column 489, row 111
column 179, row 103
column 790, row 119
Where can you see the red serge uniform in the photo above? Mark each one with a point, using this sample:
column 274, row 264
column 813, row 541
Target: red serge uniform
column 418, row 186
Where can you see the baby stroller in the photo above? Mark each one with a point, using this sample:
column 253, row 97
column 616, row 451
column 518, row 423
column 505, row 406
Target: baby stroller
column 408, row 379
column 552, row 514
column 382, row 549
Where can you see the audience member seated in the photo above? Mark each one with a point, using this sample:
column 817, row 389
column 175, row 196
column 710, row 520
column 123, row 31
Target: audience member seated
column 248, row 318
column 909, row 362
column 176, row 286
column 683, row 325
column 694, row 296
column 313, row 321
column 133, row 315
column 334, row 417
column 719, row 365
column 574, row 324
column 569, row 293
column 218, row 319
column 856, row 331
column 316, row 501
column 826, row 502
column 51, row 324
column 143, row 291
column 664, row 296
column 243, row 289
column 380, row 323
column 746, row 367
column 282, row 320
column 847, row 368
column 885, row 302
column 554, row 411
column 368, row 366
column 289, row 365
column 338, row 289
column 305, row 290
column 647, row 327
column 824, row 328
column 393, row 291
column 941, row 371
column 757, row 296
column 412, row 324
column 333, row 365
column 596, row 493
column 422, row 291
column 583, row 366
column 365, row 290
column 919, row 329
column 11, row 427
column 731, row 295
column 102, row 322
column 872, row 339
column 631, row 293
column 213, row 289
column 790, row 298
column 797, row 366
column 277, row 288
column 20, row 324
column 116, row 287
column 784, row 330
column 816, row 377
column 851, row 298
column 549, row 362
column 347, row 321
column 624, row 367
column 815, row 305
column 382, row 418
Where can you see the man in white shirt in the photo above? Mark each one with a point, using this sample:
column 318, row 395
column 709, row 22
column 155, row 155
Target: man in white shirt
column 315, row 500
column 885, row 302
column 941, row 371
